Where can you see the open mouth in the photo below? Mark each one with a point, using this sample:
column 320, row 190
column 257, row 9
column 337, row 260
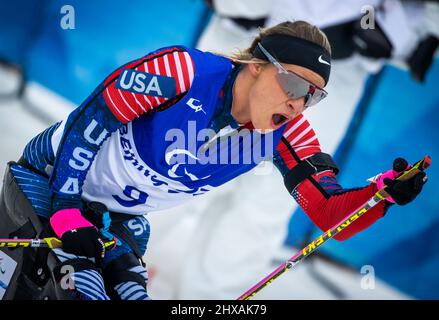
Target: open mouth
column 278, row 119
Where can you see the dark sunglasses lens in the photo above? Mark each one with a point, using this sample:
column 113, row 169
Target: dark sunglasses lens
column 293, row 86
column 296, row 87
column 316, row 97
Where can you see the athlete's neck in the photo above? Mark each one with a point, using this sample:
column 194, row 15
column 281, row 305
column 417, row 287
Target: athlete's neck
column 240, row 109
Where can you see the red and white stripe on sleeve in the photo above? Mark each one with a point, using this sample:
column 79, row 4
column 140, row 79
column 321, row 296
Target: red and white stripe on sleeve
column 171, row 62
column 300, row 137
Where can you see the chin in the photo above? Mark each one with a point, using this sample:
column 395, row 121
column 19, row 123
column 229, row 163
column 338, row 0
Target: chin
column 263, row 127
column 264, row 131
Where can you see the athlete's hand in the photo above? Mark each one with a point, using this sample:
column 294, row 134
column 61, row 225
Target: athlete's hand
column 401, row 191
column 78, row 235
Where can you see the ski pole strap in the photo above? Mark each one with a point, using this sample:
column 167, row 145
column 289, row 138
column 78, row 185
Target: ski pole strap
column 306, row 168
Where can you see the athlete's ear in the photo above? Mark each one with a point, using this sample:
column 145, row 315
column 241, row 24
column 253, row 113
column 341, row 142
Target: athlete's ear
column 255, row 68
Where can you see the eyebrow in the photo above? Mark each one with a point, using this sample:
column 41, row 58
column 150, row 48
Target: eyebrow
column 303, row 78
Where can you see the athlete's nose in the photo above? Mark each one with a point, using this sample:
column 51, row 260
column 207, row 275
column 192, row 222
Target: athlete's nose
column 296, row 106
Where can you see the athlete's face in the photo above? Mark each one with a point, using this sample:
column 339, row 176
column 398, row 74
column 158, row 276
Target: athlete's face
column 269, row 105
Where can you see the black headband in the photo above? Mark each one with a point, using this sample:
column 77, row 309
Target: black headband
column 298, row 51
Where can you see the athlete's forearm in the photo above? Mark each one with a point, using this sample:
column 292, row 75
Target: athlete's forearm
column 327, row 204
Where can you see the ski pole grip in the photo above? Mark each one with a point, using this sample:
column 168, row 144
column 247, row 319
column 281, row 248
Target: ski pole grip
column 419, row 166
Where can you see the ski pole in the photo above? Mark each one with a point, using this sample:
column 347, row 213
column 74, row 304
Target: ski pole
column 50, row 242
column 380, row 195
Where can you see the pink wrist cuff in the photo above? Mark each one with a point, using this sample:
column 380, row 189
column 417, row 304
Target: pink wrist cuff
column 68, row 219
column 391, row 174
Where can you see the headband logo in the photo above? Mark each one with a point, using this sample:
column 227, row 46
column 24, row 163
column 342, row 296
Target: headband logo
column 323, row 61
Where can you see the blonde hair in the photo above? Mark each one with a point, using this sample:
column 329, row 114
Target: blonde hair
column 299, row 29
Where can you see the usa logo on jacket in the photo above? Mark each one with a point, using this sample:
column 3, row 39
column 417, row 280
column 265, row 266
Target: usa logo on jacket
column 146, row 83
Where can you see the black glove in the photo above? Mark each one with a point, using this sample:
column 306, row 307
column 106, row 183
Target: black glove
column 84, row 242
column 403, row 192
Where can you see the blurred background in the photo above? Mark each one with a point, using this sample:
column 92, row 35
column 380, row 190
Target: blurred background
column 383, row 103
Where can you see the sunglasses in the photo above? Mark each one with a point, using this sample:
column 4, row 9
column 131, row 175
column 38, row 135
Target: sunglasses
column 294, row 85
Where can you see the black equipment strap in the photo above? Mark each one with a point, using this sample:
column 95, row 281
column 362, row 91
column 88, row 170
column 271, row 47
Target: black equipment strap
column 120, row 231
column 304, row 169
